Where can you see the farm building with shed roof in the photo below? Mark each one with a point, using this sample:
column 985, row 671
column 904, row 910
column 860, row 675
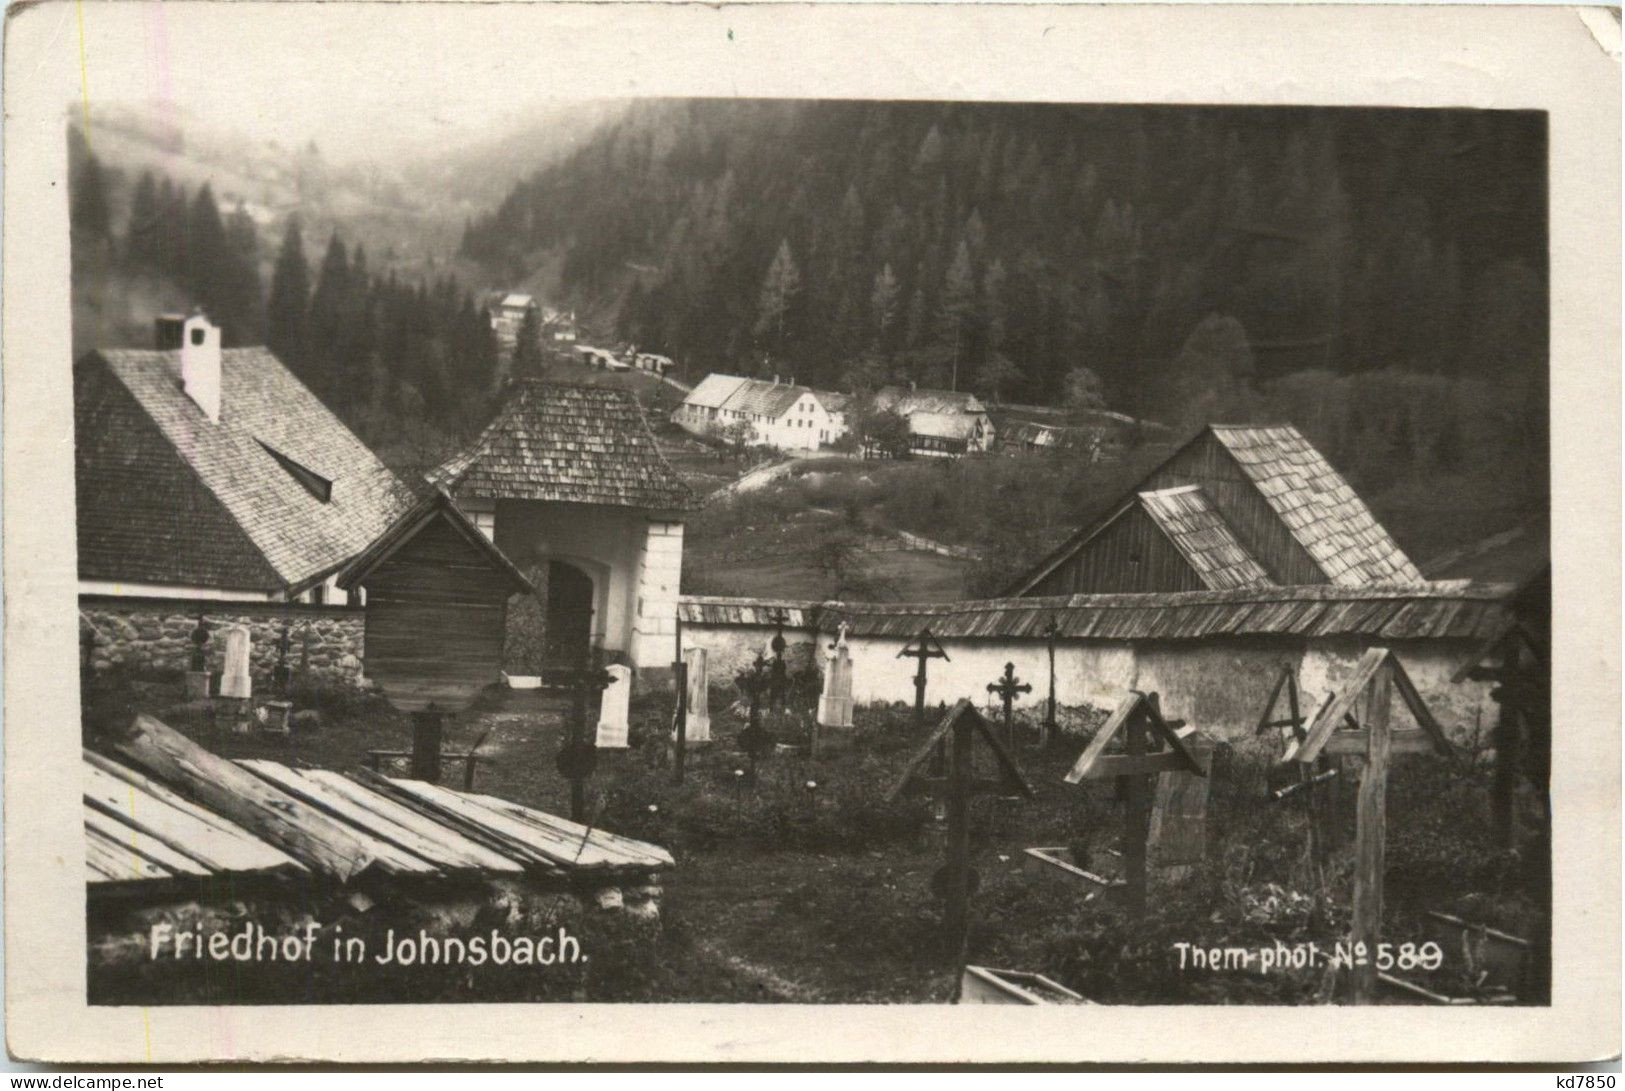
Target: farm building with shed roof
column 1235, row 505
column 570, row 484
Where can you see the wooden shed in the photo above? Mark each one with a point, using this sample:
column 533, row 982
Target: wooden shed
column 436, row 606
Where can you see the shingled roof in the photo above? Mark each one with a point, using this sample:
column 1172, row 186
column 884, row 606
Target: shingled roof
column 565, row 442
column 167, row 496
column 1320, row 509
column 1203, row 538
column 908, row 402
column 1454, row 610
column 1314, row 504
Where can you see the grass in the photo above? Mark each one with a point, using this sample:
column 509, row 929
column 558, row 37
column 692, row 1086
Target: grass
column 782, row 893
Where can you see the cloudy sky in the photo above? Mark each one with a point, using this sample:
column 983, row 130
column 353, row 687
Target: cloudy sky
column 364, row 81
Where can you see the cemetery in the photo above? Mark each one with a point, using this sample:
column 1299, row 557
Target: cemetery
column 984, row 834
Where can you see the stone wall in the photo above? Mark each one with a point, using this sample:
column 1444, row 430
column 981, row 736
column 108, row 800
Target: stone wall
column 1219, row 685
column 155, row 634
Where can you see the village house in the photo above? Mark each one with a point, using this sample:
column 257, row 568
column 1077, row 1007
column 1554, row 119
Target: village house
column 210, row 478
column 559, row 327
column 568, row 481
column 782, row 415
column 1236, row 506
column 941, row 423
column 507, row 316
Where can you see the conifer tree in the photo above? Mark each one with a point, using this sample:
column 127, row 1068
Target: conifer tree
column 285, row 312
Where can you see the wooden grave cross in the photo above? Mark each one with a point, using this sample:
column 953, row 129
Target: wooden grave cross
column 578, row 757
column 953, row 780
column 1008, row 687
column 1514, row 659
column 1151, row 745
column 922, row 647
column 1320, row 806
column 755, row 739
column 1051, row 633
column 779, row 685
column 1370, row 741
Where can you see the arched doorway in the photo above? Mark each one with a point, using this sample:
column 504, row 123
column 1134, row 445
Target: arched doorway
column 568, row 618
column 550, row 632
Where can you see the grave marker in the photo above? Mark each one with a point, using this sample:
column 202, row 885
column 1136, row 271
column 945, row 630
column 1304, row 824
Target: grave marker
column 197, row 674
column 578, row 757
column 835, row 704
column 1007, row 688
column 699, row 696
column 755, row 740
column 1051, row 633
column 1151, row 745
column 235, row 681
column 952, row 779
column 613, row 708
column 1376, row 677
column 1320, row 803
column 923, row 647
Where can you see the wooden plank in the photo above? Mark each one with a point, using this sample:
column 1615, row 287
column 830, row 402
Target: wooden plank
column 1332, row 713
column 1126, row 765
column 1420, row 712
column 1370, row 822
column 635, row 853
column 142, row 844
column 406, row 850
column 459, row 819
column 448, row 839
column 574, row 853
column 183, row 826
column 116, row 862
column 1097, row 745
column 1399, row 742
column 1179, row 820
column 308, row 835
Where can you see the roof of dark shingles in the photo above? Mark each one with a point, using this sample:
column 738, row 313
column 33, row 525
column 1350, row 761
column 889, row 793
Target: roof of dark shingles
column 564, row 442
column 167, row 496
column 1323, row 513
column 1203, row 538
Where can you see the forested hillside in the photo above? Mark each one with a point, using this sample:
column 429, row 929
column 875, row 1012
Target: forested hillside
column 1001, row 247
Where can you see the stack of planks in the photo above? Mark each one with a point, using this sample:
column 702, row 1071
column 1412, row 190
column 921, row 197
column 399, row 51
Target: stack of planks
column 162, row 808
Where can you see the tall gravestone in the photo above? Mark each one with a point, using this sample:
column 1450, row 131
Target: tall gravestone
column 234, row 679
column 699, row 697
column 835, row 704
column 613, row 708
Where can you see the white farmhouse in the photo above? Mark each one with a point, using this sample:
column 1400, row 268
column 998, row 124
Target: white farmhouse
column 782, row 415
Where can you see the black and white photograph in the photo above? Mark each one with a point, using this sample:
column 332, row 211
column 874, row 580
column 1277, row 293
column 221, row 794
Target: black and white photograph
column 594, row 546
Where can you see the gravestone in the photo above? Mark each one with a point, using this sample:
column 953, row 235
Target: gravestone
column 234, row 679
column 612, row 723
column 699, row 707
column 835, row 704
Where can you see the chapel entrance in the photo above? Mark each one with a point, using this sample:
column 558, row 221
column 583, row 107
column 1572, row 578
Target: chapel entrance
column 568, row 621
column 550, row 632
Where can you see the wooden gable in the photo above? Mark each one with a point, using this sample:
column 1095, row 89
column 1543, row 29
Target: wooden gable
column 920, row 774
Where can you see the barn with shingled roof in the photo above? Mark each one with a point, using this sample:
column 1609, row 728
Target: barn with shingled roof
column 570, row 484
column 1237, row 506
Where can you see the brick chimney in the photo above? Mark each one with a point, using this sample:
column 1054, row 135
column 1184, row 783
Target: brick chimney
column 200, row 364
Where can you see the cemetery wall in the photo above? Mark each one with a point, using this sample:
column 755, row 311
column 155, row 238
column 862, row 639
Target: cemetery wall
column 1218, row 684
column 155, row 634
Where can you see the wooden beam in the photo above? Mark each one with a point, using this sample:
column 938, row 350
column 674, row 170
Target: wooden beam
column 290, row 824
column 1399, row 742
column 1370, row 821
column 1332, row 714
column 1128, row 765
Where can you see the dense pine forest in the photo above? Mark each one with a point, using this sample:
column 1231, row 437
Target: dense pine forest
column 999, row 248
column 409, row 364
